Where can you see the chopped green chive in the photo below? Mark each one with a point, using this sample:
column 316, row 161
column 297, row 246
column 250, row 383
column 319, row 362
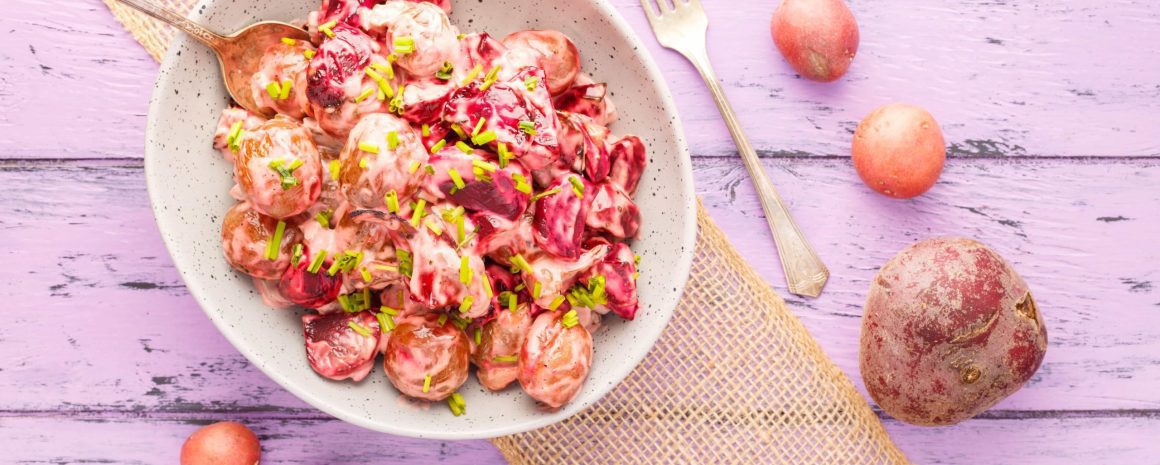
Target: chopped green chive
column 457, row 404
column 273, row 88
column 506, row 358
column 386, row 323
column 393, row 140
column 433, row 226
column 418, row 214
column 289, row 41
column 546, row 193
column 528, row 127
column 577, row 186
column 530, row 83
column 491, row 77
column 297, row 256
column 286, row 172
column 559, row 300
column 369, row 91
column 426, row 130
column 323, row 218
column 366, row 275
column 466, row 305
column 513, row 300
column 521, row 263
column 234, row 136
column 368, row 147
column 388, row 310
column 465, row 271
column 478, row 336
column 406, row 262
column 387, row 69
column 478, row 127
column 458, row 131
column 334, row 168
column 309, row 54
column 442, row 320
column 504, row 155
column 426, row 383
column 570, row 319
column 287, row 85
column 316, row 264
column 484, row 138
column 471, row 75
column 536, row 289
column 487, row 287
column 466, row 149
column 444, row 73
column 392, row 202
column 275, row 242
column 455, row 178
column 328, row 28
column 359, row 329
column 404, row 45
column 460, row 229
column 438, row 146
column 396, row 105
column 414, row 166
column 429, row 169
column 363, row 163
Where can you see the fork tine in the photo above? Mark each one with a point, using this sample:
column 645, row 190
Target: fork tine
column 649, row 9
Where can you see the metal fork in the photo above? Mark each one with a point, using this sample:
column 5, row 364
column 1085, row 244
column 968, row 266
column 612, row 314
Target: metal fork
column 682, row 27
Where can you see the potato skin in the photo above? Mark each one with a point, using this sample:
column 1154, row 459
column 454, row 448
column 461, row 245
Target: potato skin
column 899, row 150
column 949, row 330
column 819, row 38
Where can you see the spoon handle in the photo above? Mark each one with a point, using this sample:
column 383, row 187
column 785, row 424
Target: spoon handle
column 210, row 38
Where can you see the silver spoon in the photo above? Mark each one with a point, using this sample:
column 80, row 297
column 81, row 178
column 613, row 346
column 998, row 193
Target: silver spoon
column 239, row 54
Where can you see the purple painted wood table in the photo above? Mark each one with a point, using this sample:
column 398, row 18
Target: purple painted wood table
column 1051, row 110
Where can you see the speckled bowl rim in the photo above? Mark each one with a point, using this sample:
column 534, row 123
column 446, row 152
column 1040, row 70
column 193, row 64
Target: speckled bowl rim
column 683, row 262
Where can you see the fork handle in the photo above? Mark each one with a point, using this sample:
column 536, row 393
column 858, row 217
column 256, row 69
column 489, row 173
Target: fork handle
column 172, row 18
column 804, row 271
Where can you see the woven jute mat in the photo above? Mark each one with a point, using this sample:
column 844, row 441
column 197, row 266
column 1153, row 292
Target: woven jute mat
column 735, row 379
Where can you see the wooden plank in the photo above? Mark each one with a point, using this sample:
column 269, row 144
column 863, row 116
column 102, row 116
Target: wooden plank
column 73, row 82
column 285, row 440
column 316, row 440
column 1002, row 78
column 1032, row 441
column 114, row 329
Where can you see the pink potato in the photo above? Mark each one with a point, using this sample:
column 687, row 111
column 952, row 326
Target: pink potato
column 222, row 443
column 949, row 330
column 899, row 150
column 819, row 38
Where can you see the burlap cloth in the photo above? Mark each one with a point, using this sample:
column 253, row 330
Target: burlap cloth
column 735, row 379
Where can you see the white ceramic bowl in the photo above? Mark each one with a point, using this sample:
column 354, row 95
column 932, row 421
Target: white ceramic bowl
column 188, row 183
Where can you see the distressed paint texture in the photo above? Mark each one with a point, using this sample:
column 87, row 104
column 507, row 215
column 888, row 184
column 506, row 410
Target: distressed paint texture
column 110, row 360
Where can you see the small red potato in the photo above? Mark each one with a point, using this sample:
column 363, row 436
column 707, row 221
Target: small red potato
column 819, row 38
column 949, row 330
column 899, row 150
column 222, row 443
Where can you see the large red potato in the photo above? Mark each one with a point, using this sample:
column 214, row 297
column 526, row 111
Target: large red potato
column 899, row 150
column 819, row 38
column 949, row 330
column 223, row 443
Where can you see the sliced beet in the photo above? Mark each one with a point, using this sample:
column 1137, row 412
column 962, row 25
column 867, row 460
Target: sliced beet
column 337, row 60
column 558, row 224
column 310, row 290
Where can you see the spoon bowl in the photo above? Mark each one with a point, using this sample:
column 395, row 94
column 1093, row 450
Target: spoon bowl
column 239, row 54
